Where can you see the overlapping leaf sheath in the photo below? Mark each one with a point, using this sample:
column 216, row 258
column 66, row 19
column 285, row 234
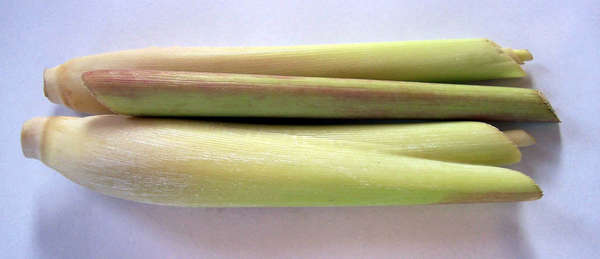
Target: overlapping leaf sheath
column 176, row 93
column 463, row 141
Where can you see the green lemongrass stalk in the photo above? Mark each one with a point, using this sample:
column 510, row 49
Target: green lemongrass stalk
column 177, row 93
column 426, row 61
column 190, row 163
column 462, row 142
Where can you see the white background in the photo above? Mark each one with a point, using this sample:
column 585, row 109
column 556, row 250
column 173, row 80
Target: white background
column 43, row 215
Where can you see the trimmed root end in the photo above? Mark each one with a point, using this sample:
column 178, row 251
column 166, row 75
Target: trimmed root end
column 51, row 89
column 31, row 137
column 520, row 137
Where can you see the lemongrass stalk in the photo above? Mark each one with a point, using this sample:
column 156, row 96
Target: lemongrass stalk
column 463, row 142
column 427, row 61
column 190, row 163
column 177, row 93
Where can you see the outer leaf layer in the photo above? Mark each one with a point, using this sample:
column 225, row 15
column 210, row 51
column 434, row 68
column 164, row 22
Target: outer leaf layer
column 173, row 93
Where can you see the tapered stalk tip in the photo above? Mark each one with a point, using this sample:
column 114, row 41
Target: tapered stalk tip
column 31, row 137
column 518, row 55
column 523, row 54
column 520, row 137
column 548, row 107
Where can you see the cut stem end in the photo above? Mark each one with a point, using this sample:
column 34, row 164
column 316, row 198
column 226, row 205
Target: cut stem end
column 31, row 137
column 51, row 89
column 523, row 54
column 520, row 137
column 519, row 55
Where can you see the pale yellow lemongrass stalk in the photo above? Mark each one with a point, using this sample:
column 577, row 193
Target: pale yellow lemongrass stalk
column 191, row 163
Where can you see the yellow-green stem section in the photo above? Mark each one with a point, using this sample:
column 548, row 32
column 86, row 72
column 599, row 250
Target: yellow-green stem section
column 462, row 142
